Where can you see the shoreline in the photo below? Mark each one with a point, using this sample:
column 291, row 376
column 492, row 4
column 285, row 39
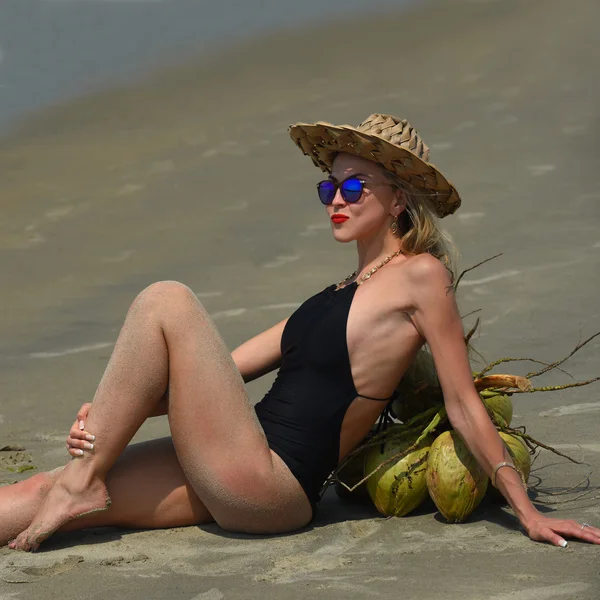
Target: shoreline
column 146, row 37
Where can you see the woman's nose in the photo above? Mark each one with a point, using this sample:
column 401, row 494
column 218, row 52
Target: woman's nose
column 338, row 200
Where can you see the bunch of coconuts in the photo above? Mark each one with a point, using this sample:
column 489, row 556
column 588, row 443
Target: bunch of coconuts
column 406, row 466
column 421, row 455
column 396, row 469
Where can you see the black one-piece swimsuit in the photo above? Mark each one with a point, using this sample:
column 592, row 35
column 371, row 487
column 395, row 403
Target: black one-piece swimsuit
column 302, row 413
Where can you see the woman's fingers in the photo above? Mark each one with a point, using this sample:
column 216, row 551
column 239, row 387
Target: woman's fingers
column 75, row 452
column 587, row 533
column 557, row 531
column 78, row 447
column 556, row 539
column 588, row 527
column 79, row 440
column 77, row 434
column 81, row 444
column 582, row 531
column 82, row 415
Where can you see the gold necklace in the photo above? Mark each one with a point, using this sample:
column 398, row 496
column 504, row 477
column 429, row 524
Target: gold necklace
column 368, row 274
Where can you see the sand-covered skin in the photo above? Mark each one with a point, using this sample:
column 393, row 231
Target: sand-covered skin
column 192, row 177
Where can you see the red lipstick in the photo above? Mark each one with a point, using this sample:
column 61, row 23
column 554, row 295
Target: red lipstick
column 339, row 218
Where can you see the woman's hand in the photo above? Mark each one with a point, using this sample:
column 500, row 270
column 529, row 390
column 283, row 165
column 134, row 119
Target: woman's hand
column 79, row 439
column 548, row 529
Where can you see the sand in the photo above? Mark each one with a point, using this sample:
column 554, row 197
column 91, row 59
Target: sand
column 190, row 176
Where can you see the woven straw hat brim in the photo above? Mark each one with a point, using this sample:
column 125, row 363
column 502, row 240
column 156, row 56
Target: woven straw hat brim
column 322, row 141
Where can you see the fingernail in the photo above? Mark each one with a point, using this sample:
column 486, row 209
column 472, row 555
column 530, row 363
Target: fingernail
column 564, row 543
column 81, row 425
column 79, row 452
column 90, row 438
column 88, row 446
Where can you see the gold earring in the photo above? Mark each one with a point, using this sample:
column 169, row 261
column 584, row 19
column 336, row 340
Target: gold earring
column 394, row 226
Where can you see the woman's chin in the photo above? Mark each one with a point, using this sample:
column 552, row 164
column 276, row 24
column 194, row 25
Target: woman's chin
column 339, row 235
column 342, row 237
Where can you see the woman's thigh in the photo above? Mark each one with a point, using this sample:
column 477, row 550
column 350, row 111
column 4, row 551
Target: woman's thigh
column 220, row 444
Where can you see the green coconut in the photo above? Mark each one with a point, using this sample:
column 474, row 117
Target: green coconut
column 499, row 406
column 455, row 481
column 398, row 487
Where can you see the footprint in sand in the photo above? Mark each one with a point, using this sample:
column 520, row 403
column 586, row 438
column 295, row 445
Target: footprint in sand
column 23, row 574
column 119, row 561
column 336, row 553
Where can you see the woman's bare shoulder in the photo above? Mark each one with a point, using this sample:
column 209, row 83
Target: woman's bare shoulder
column 417, row 276
column 426, row 267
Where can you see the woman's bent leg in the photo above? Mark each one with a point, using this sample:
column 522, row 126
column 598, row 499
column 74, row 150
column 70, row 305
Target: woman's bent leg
column 168, row 338
column 147, row 487
column 20, row 502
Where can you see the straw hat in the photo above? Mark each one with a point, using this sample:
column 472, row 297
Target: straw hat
column 386, row 140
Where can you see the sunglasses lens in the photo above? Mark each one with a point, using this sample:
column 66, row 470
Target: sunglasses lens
column 326, row 191
column 352, row 190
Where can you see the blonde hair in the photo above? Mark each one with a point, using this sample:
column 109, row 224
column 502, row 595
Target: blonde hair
column 419, row 226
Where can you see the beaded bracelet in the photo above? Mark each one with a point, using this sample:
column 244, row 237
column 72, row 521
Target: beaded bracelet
column 506, row 464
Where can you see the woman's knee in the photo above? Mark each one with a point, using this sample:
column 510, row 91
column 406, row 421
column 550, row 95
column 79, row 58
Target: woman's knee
column 238, row 489
column 165, row 297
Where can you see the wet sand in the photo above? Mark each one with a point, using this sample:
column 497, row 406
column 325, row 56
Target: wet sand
column 191, row 176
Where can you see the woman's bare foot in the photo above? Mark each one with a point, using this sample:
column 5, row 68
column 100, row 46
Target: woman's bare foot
column 69, row 498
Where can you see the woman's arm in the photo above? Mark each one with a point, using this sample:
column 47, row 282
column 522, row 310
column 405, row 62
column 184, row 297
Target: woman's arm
column 261, row 354
column 256, row 357
column 436, row 317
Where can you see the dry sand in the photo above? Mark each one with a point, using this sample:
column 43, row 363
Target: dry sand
column 191, row 176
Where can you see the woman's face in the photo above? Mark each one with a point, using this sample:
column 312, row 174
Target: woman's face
column 378, row 204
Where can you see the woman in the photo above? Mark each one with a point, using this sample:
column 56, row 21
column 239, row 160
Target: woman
column 340, row 358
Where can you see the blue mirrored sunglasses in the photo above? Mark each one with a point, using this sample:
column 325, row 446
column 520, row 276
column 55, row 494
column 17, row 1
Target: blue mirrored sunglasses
column 351, row 190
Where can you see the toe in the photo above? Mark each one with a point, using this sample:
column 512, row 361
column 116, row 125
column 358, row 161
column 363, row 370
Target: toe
column 22, row 543
column 26, row 546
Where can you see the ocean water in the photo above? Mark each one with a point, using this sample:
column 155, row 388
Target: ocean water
column 53, row 50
